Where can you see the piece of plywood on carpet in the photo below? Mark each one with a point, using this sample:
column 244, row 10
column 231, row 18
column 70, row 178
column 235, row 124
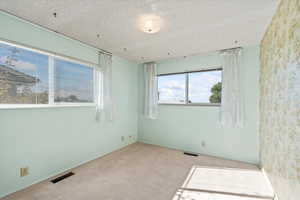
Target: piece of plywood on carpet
column 245, row 182
column 195, row 195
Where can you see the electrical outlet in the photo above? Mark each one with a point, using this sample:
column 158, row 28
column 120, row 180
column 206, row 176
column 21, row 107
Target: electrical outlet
column 24, row 171
column 131, row 138
column 122, row 138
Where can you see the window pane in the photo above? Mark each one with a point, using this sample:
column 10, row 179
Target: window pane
column 73, row 82
column 171, row 88
column 205, row 87
column 23, row 76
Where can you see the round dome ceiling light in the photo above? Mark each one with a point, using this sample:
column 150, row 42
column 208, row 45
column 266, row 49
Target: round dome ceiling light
column 150, row 23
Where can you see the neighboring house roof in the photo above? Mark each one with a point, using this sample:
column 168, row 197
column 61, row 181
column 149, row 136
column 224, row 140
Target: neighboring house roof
column 16, row 76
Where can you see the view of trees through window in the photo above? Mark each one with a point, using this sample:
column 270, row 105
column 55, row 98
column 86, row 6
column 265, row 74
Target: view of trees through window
column 202, row 87
column 205, row 86
column 24, row 78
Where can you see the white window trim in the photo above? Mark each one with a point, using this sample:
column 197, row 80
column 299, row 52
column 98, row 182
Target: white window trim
column 186, row 103
column 51, row 86
column 29, row 106
column 51, row 80
column 190, row 104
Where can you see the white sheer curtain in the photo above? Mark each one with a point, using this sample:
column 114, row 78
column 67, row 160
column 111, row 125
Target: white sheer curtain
column 103, row 88
column 232, row 105
column 151, row 96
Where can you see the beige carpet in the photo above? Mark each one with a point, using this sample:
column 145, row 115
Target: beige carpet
column 137, row 172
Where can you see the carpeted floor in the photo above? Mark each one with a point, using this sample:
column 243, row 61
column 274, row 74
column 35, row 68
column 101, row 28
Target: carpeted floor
column 137, row 172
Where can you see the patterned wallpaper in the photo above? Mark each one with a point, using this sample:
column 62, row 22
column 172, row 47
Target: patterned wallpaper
column 280, row 101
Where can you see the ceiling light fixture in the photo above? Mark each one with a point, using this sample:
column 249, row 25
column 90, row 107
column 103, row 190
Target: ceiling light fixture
column 150, row 23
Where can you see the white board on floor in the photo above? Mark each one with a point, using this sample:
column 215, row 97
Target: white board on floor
column 228, row 180
column 194, row 195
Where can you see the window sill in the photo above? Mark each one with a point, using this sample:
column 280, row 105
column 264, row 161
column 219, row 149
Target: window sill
column 31, row 106
column 190, row 104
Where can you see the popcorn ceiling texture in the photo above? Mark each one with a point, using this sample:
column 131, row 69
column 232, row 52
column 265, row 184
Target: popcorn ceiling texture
column 120, row 23
column 280, row 101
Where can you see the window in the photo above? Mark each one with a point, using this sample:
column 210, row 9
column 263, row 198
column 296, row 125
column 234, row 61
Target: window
column 28, row 77
column 73, row 82
column 201, row 87
column 171, row 88
column 205, row 86
column 23, row 76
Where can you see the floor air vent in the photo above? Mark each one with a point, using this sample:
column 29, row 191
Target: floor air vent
column 190, row 154
column 62, row 177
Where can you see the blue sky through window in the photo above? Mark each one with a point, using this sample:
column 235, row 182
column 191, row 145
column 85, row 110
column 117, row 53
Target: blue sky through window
column 73, row 79
column 171, row 88
column 72, row 82
column 27, row 62
column 200, row 84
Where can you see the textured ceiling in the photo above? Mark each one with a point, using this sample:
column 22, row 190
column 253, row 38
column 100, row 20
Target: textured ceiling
column 189, row 26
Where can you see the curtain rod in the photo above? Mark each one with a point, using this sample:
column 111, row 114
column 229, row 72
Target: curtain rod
column 193, row 71
column 56, row 32
column 230, row 49
column 197, row 54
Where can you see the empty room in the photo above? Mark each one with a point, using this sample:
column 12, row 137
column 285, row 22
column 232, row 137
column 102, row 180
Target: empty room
column 149, row 100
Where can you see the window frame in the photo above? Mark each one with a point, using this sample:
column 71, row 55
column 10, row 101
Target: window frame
column 51, row 57
column 186, row 73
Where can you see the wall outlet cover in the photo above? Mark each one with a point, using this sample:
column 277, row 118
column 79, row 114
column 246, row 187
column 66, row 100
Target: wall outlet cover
column 24, row 171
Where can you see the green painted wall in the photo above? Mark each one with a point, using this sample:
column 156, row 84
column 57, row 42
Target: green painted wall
column 51, row 140
column 185, row 127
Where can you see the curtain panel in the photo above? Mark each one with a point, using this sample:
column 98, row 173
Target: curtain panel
column 232, row 104
column 151, row 95
column 103, row 88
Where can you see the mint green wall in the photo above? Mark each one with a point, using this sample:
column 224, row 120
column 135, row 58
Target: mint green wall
column 51, row 140
column 21, row 31
column 185, row 127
